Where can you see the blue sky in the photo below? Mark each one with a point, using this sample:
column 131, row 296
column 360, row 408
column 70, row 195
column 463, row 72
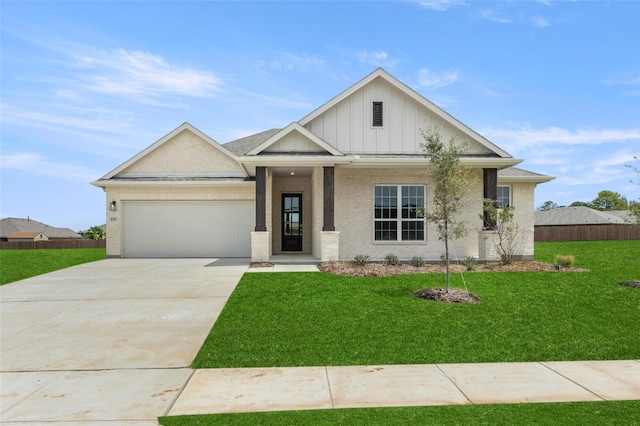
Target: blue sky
column 86, row 85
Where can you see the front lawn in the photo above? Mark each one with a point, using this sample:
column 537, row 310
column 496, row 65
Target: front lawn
column 317, row 319
column 20, row 264
column 569, row 413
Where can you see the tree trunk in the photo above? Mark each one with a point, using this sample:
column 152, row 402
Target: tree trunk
column 446, row 256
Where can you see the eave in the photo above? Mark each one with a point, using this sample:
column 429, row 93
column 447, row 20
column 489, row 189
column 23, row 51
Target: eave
column 526, row 179
column 115, row 183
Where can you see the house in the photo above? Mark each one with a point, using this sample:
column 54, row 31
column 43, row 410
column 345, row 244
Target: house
column 343, row 180
column 580, row 223
column 27, row 236
column 10, row 226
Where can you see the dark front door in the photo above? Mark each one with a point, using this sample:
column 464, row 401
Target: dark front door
column 291, row 222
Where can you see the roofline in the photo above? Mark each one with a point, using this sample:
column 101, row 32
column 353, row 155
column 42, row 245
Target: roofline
column 143, row 183
column 526, row 179
column 380, row 162
column 161, row 141
column 294, row 127
column 411, row 93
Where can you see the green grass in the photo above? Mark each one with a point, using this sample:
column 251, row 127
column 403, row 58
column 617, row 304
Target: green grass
column 317, row 319
column 20, row 264
column 570, row 413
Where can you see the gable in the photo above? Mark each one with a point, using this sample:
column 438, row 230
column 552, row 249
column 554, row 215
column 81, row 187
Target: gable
column 184, row 152
column 294, row 142
column 294, row 139
column 346, row 122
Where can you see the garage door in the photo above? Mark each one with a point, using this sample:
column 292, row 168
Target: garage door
column 187, row 228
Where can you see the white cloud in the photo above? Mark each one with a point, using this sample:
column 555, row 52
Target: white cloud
column 493, row 15
column 57, row 116
column 289, row 61
column 625, row 79
column 540, row 21
column 376, row 59
column 141, row 73
column 432, row 80
column 534, row 138
column 441, row 5
column 34, row 163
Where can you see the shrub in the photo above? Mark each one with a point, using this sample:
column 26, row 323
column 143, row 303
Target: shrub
column 443, row 260
column 392, row 259
column 564, row 260
column 470, row 262
column 361, row 259
column 417, row 261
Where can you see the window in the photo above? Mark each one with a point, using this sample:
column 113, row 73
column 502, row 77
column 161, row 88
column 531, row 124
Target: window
column 397, row 211
column 377, row 114
column 504, row 196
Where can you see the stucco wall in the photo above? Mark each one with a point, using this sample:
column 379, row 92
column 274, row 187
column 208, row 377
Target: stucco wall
column 160, row 193
column 354, row 216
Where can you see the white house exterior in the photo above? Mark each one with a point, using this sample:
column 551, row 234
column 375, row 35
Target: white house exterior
column 342, row 181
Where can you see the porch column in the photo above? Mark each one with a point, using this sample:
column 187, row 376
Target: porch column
column 328, row 204
column 489, row 191
column 261, row 198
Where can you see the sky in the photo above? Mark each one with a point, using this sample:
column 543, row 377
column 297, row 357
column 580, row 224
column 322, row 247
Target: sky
column 84, row 86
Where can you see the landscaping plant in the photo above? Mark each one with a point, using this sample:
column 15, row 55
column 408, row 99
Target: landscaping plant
column 451, row 183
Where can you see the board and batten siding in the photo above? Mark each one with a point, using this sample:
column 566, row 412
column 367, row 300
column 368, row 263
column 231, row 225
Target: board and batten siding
column 348, row 125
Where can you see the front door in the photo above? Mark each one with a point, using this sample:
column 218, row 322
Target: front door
column 291, row 222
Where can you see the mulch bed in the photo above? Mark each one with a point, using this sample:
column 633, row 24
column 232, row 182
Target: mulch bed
column 454, row 295
column 381, row 269
column 260, row 265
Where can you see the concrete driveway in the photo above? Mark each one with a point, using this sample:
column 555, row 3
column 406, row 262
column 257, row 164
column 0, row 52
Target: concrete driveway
column 108, row 341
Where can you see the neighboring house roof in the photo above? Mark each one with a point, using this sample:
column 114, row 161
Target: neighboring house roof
column 11, row 225
column 25, row 235
column 579, row 215
column 516, row 175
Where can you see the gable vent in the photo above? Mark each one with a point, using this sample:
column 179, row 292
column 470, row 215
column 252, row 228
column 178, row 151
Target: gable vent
column 377, row 114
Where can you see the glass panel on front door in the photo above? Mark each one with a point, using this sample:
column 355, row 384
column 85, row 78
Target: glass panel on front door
column 291, row 222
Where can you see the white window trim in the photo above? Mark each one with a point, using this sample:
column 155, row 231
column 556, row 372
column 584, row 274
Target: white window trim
column 510, row 203
column 399, row 219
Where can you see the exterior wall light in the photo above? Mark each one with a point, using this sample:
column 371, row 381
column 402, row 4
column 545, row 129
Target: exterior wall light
column 113, row 206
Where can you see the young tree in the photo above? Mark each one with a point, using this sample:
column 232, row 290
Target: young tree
column 509, row 234
column 451, row 182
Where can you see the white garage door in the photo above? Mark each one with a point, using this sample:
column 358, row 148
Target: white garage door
column 187, row 228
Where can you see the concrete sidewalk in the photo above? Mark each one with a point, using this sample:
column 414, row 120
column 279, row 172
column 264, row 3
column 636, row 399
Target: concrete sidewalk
column 309, row 388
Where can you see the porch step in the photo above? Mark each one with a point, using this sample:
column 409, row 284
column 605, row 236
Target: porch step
column 294, row 259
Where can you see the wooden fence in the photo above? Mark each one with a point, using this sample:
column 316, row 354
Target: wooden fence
column 586, row 232
column 52, row 244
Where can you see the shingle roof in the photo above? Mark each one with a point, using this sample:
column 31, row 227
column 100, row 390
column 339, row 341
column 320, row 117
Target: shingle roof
column 516, row 172
column 11, row 225
column 25, row 234
column 241, row 146
column 578, row 215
